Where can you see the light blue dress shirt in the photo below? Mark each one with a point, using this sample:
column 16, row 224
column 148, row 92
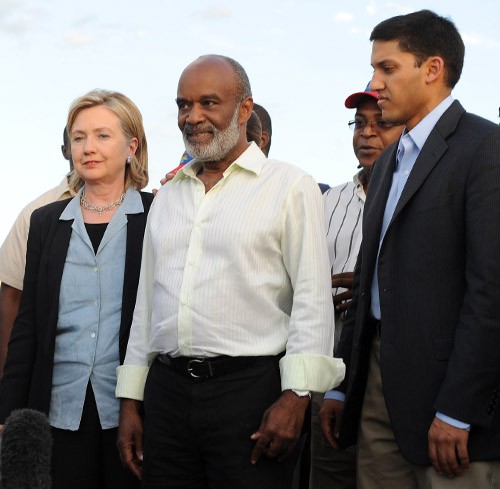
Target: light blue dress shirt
column 409, row 147
column 90, row 303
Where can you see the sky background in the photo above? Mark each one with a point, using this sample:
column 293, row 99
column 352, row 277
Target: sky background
column 303, row 59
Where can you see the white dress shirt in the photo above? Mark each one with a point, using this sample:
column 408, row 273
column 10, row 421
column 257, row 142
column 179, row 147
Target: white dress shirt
column 241, row 270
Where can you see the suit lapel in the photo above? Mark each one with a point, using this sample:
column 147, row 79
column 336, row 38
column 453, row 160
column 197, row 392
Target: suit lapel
column 433, row 150
column 376, row 200
column 59, row 244
column 133, row 256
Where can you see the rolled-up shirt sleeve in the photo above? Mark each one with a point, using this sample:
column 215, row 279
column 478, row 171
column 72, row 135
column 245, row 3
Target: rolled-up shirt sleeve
column 308, row 363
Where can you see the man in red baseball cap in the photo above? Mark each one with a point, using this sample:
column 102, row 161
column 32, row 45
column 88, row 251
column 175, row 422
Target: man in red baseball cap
column 343, row 216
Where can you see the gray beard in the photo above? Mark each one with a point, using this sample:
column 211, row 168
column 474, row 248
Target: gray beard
column 222, row 143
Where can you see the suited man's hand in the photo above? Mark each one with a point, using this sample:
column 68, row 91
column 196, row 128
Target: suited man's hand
column 448, row 448
column 330, row 416
column 345, row 280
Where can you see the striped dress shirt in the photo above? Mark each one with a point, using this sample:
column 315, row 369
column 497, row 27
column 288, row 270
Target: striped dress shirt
column 343, row 219
column 241, row 270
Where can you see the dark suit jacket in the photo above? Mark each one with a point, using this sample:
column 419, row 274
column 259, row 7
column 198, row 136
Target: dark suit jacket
column 27, row 380
column 439, row 280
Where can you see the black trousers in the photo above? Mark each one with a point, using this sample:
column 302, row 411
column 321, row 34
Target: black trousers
column 197, row 434
column 88, row 458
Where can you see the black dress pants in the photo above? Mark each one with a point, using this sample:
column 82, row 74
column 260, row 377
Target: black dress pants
column 88, row 458
column 197, row 433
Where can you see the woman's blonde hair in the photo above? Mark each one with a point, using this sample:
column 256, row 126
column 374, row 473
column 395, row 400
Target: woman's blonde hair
column 136, row 173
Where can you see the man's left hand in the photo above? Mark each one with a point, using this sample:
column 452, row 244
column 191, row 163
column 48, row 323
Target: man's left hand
column 448, row 448
column 280, row 428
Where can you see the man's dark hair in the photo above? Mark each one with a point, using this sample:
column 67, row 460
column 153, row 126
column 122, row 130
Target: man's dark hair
column 425, row 34
column 65, row 137
column 243, row 89
column 265, row 118
column 254, row 129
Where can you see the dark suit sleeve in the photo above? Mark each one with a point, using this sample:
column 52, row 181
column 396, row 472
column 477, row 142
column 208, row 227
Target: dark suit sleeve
column 344, row 348
column 15, row 387
column 468, row 392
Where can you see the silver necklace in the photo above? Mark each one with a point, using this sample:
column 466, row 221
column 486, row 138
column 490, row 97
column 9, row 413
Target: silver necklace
column 100, row 209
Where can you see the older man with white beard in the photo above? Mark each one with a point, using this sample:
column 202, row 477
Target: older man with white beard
column 233, row 326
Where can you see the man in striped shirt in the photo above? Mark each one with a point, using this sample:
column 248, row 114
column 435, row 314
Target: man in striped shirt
column 343, row 218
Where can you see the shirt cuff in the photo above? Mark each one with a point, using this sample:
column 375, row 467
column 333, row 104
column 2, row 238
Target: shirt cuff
column 335, row 395
column 316, row 373
column 130, row 382
column 453, row 422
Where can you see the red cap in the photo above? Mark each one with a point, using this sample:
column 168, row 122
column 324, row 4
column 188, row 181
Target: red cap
column 353, row 100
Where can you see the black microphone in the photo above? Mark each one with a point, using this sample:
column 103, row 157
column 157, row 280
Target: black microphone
column 26, row 451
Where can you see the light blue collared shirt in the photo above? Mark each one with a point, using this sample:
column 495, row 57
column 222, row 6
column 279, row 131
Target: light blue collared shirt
column 90, row 303
column 409, row 147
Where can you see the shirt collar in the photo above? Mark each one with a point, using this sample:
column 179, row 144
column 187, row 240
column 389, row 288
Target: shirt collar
column 252, row 160
column 421, row 131
column 132, row 204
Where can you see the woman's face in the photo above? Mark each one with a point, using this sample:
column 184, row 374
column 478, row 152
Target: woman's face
column 99, row 147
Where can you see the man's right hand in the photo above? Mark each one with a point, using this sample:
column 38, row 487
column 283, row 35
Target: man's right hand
column 343, row 280
column 163, row 181
column 330, row 416
column 130, row 435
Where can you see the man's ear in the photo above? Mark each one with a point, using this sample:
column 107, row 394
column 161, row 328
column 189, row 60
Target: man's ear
column 246, row 110
column 264, row 139
column 435, row 68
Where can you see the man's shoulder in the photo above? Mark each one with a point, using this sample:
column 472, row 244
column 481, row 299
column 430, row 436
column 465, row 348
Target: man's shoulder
column 53, row 208
column 342, row 188
column 47, row 197
column 288, row 172
column 457, row 120
column 334, row 193
column 479, row 124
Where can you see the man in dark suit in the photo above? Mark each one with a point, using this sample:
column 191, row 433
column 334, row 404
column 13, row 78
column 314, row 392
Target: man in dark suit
column 421, row 340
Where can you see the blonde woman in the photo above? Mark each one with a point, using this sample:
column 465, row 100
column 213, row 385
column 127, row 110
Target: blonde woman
column 82, row 270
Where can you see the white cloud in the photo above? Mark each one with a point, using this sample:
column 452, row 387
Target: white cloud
column 371, row 8
column 472, row 39
column 343, row 17
column 214, row 13
column 477, row 40
column 78, row 38
column 8, row 6
column 18, row 21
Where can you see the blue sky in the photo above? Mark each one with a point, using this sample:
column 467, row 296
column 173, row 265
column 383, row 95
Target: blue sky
column 303, row 58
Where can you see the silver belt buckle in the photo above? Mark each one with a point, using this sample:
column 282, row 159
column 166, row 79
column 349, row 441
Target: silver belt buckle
column 192, row 365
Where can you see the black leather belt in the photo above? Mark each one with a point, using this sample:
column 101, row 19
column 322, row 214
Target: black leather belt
column 206, row 368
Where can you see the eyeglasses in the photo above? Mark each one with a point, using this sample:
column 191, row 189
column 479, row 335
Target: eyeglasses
column 359, row 125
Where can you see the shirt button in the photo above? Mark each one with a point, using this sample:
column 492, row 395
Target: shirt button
column 183, row 302
column 96, row 303
column 95, row 270
column 92, row 335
